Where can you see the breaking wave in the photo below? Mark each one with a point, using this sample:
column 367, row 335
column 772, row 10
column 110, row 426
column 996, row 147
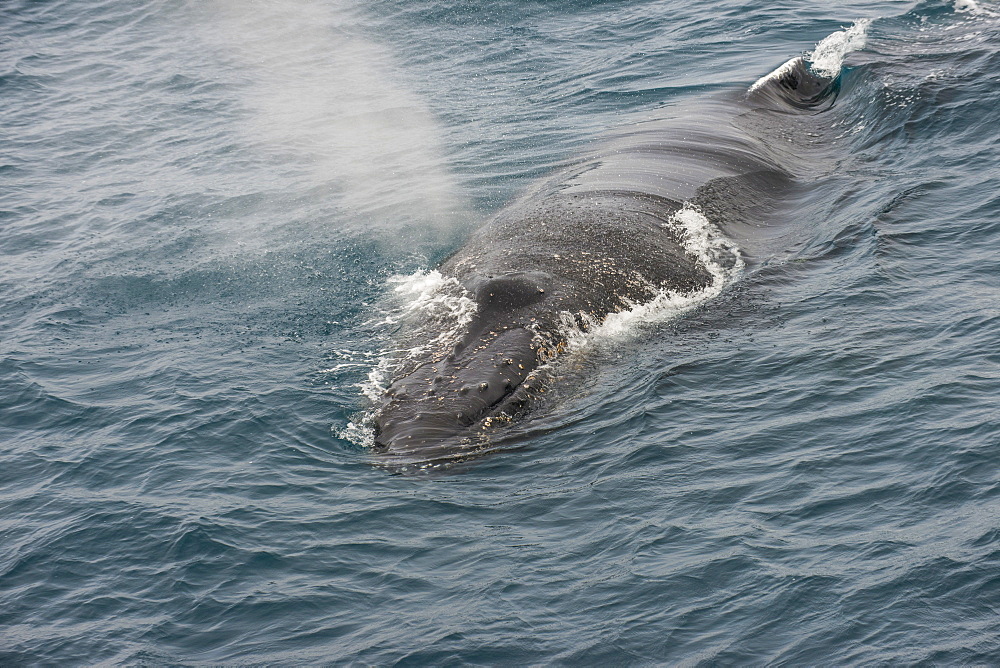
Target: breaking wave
column 827, row 59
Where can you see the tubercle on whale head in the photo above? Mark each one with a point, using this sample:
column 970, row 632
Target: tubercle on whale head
column 441, row 400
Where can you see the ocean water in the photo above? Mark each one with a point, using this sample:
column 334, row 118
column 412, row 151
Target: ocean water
column 213, row 213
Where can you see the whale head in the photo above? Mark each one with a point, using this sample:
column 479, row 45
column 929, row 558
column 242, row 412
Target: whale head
column 428, row 410
column 433, row 407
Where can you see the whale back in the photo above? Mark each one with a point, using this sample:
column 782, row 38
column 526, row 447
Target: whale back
column 596, row 238
column 595, row 252
column 577, row 255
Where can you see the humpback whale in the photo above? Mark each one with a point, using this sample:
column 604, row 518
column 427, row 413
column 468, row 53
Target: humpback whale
column 598, row 237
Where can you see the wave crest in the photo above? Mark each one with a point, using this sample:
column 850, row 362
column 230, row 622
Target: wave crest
column 827, row 58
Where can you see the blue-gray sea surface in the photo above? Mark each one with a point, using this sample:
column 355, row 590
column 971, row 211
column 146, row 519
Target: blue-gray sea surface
column 202, row 209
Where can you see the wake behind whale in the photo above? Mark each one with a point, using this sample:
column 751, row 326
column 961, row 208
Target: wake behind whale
column 659, row 219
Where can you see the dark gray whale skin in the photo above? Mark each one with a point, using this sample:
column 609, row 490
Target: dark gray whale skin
column 592, row 240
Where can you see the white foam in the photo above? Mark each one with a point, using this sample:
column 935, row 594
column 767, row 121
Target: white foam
column 431, row 294
column 359, row 432
column 827, row 58
column 434, row 310
column 776, row 74
column 717, row 254
column 973, row 7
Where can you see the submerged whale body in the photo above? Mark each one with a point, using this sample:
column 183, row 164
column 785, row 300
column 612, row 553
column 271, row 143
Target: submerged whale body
column 595, row 239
